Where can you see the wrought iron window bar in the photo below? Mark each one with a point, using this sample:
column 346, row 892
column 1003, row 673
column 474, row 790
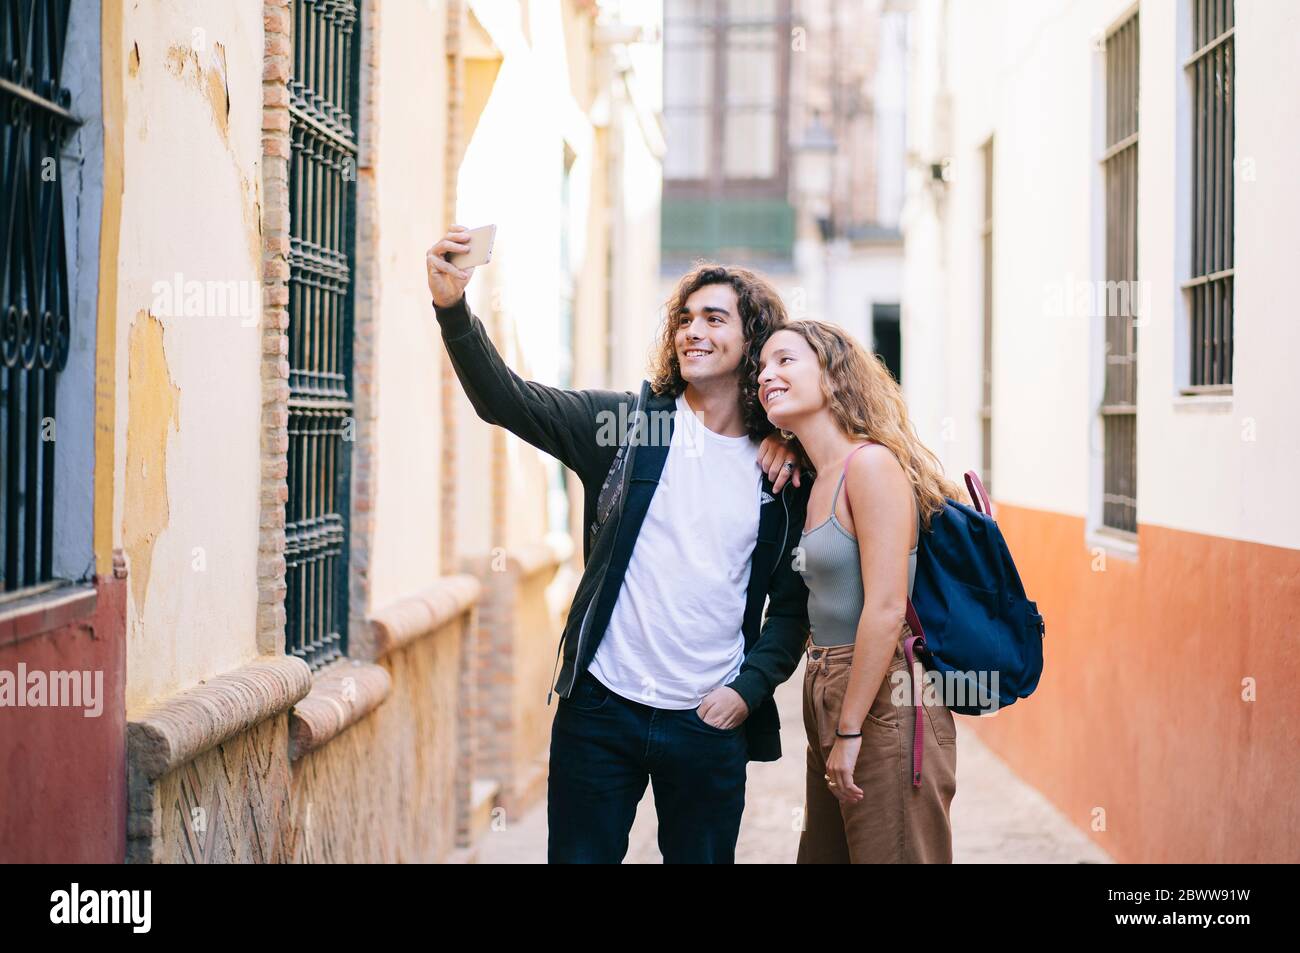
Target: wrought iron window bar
column 35, row 311
column 322, row 200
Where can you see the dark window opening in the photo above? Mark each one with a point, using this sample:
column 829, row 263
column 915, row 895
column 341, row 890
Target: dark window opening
column 886, row 339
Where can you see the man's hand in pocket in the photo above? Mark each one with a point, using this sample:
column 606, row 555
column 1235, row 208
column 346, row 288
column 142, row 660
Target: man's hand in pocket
column 723, row 708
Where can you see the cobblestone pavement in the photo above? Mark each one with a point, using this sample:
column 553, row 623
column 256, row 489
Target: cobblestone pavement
column 996, row 817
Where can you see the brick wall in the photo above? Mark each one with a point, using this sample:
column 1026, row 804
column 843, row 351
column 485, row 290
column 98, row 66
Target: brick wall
column 275, row 325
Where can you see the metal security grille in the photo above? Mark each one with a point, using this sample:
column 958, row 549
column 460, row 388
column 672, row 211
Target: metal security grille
column 1211, row 69
column 1120, row 164
column 986, row 389
column 322, row 198
column 34, row 309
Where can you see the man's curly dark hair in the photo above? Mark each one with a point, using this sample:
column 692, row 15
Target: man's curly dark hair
column 761, row 313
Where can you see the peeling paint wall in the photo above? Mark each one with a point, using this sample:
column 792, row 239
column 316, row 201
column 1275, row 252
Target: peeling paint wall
column 188, row 305
column 151, row 407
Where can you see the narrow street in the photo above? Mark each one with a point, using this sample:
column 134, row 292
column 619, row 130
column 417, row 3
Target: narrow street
column 997, row 818
column 324, row 418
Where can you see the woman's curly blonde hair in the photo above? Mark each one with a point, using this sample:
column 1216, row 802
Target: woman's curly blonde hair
column 761, row 313
column 867, row 403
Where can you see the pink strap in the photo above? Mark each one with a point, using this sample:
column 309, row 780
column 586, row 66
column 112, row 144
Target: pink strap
column 844, row 478
column 909, row 647
column 979, row 496
column 845, row 475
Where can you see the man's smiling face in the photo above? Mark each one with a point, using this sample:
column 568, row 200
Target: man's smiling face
column 710, row 338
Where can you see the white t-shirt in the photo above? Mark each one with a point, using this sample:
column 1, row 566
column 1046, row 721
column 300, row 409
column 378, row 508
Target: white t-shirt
column 675, row 633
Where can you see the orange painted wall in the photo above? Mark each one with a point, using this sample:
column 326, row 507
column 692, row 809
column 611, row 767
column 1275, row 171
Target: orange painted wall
column 1140, row 707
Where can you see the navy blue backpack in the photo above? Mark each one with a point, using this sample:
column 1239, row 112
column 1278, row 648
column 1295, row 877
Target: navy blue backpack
column 970, row 618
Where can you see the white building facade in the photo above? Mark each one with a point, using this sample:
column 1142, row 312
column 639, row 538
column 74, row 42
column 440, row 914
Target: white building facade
column 1064, row 159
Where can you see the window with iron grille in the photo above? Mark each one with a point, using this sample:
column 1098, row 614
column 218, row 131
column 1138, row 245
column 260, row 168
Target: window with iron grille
column 35, row 313
column 986, row 393
column 1211, row 69
column 322, row 199
column 1119, row 164
column 726, row 93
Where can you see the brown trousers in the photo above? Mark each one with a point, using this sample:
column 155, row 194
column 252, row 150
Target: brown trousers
column 894, row 822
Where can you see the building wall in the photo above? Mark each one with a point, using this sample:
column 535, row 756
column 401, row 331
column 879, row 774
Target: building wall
column 635, row 142
column 407, row 161
column 1165, row 722
column 226, row 749
column 260, row 759
column 1241, row 447
column 848, row 72
column 188, row 388
column 386, row 790
column 517, row 294
column 63, row 791
column 1164, row 676
column 843, row 279
column 82, row 179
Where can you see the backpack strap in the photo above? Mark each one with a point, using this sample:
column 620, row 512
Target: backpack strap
column 979, row 496
column 918, row 674
column 910, row 645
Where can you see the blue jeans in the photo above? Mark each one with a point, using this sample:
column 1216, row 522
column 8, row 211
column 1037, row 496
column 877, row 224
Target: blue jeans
column 604, row 748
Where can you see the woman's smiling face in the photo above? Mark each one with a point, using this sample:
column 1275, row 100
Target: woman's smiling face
column 789, row 379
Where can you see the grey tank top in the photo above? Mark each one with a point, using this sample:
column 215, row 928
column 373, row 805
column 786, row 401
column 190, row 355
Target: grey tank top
column 833, row 574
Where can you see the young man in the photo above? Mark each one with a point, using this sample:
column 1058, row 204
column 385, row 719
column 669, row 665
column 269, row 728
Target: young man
column 668, row 675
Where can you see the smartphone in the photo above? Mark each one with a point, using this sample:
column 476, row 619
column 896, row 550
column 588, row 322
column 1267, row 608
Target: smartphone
column 480, row 247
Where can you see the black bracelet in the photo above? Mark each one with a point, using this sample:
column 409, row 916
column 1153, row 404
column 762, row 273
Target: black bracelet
column 839, row 734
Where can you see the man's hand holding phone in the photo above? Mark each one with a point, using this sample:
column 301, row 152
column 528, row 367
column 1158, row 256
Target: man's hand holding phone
column 446, row 281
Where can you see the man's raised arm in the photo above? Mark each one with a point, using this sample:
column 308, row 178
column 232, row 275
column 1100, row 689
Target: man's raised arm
column 567, row 424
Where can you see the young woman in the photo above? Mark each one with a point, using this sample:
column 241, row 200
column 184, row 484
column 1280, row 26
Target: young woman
column 879, row 485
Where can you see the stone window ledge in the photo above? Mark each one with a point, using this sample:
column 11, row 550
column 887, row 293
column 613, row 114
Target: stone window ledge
column 341, row 695
column 167, row 734
column 426, row 612
column 344, row 693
